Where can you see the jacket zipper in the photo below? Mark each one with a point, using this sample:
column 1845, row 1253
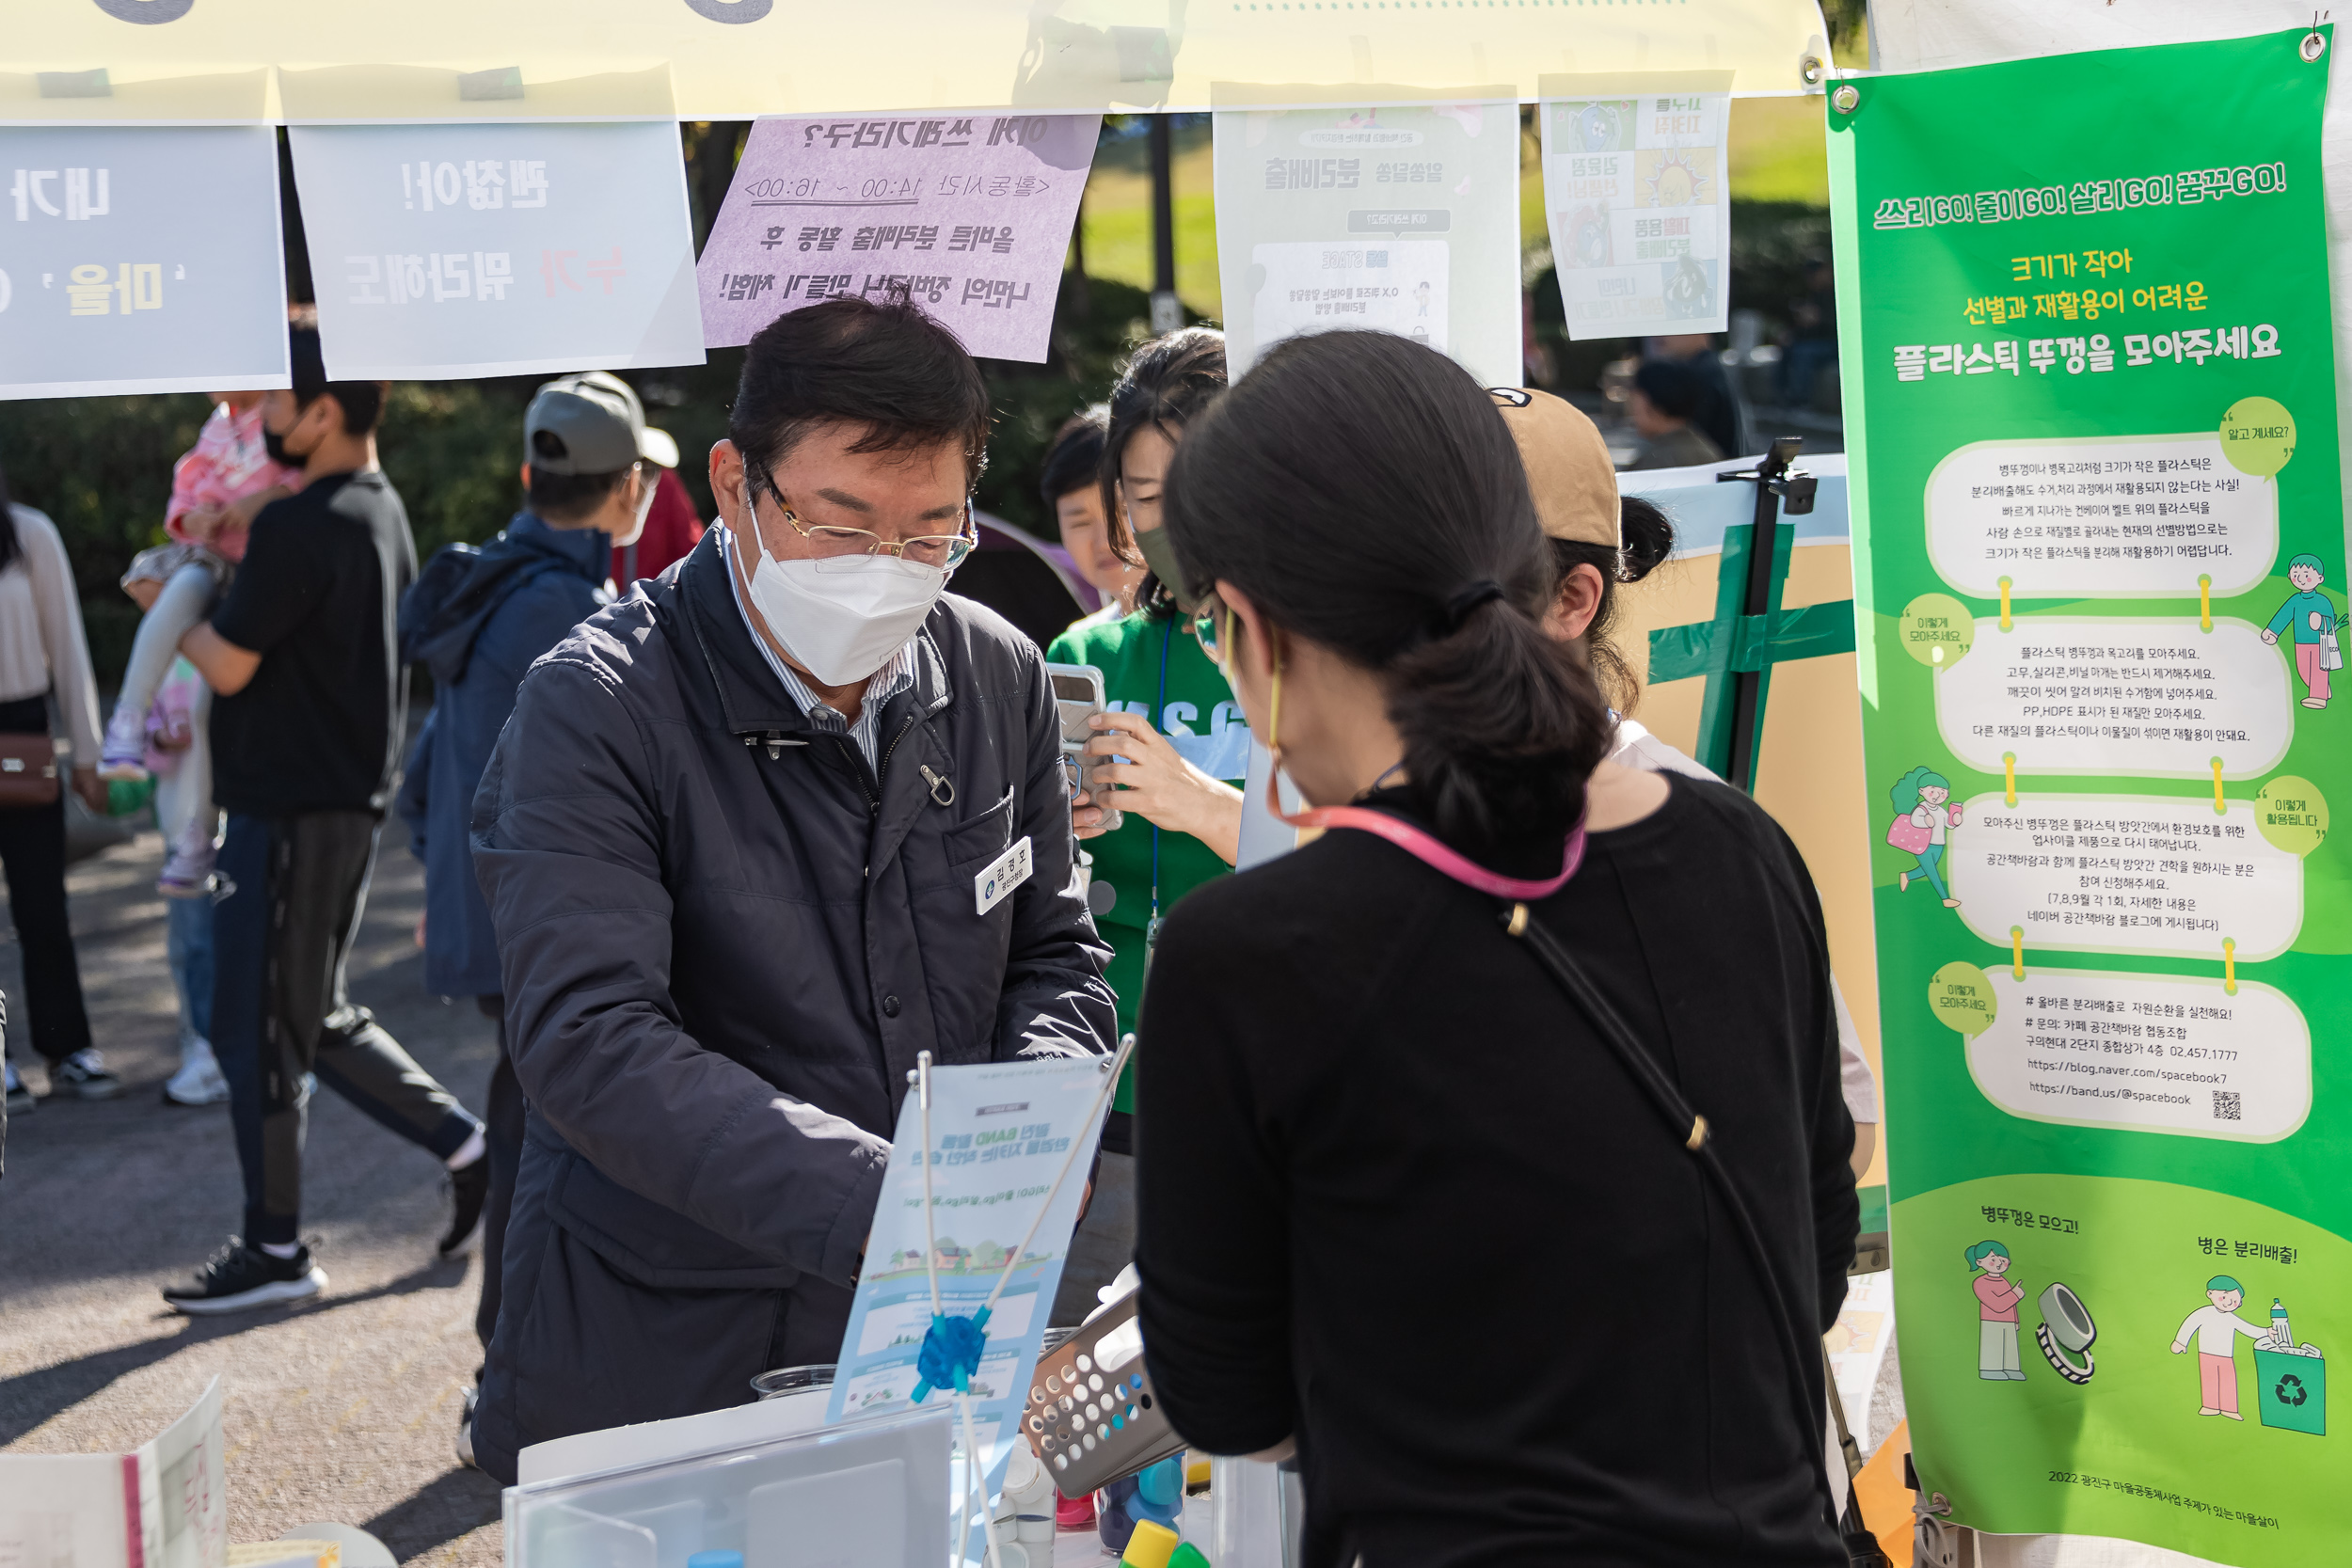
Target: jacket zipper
column 873, row 797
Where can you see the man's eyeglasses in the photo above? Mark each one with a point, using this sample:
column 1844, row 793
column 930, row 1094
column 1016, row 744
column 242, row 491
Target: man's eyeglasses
column 945, row 551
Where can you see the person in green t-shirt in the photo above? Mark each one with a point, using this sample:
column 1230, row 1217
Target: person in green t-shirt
column 1173, row 747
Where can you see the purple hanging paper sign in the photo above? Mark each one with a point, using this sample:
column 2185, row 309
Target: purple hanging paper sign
column 973, row 211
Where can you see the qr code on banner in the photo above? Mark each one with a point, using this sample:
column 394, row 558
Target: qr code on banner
column 2225, row 1107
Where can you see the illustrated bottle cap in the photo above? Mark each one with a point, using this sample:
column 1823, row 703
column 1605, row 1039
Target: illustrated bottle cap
column 1152, row 1547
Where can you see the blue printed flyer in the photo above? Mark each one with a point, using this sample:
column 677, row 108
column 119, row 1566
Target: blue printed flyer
column 1000, row 1132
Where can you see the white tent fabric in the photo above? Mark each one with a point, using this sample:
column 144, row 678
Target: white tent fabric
column 733, row 59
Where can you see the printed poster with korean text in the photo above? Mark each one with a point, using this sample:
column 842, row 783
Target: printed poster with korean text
column 1636, row 184
column 501, row 248
column 139, row 259
column 969, row 213
column 2099, row 552
column 1000, row 1132
column 1400, row 218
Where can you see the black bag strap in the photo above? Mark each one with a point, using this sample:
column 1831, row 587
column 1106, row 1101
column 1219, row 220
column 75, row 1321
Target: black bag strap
column 1692, row 1129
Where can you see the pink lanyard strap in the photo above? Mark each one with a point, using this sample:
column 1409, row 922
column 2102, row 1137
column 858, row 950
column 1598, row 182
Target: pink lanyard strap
column 1428, row 849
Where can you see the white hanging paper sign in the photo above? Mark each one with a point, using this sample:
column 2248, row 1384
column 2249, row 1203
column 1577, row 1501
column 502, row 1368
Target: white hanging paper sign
column 509, row 248
column 1637, row 185
column 164, row 1505
column 140, row 260
column 969, row 213
column 999, row 1134
column 1397, row 218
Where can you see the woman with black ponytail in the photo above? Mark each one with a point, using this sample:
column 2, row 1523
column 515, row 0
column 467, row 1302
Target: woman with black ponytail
column 1496, row 1163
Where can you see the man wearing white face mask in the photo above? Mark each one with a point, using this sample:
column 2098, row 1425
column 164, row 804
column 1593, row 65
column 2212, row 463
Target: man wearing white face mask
column 744, row 843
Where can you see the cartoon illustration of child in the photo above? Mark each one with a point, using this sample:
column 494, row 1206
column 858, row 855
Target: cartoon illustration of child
column 1997, row 1313
column 2312, row 615
column 1923, row 817
column 2217, row 1328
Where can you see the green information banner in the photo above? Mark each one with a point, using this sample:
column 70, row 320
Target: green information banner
column 2100, row 556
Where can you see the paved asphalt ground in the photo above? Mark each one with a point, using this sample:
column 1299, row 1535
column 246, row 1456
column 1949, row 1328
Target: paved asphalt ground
column 342, row 1409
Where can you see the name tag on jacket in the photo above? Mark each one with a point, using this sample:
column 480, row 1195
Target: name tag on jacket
column 1004, row 873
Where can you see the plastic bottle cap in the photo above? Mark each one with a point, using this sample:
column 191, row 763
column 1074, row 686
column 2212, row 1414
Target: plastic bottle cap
column 715, row 1559
column 1186, row 1556
column 1152, row 1546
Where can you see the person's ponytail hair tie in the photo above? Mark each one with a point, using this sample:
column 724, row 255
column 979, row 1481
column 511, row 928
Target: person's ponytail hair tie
column 1462, row 606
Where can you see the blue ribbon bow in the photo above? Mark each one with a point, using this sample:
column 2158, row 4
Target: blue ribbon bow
column 950, row 1354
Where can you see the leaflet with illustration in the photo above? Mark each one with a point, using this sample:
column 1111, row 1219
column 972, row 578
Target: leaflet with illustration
column 1400, row 218
column 2099, row 561
column 1000, row 1132
column 1637, row 180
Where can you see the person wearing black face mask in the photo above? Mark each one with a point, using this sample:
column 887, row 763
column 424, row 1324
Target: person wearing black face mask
column 304, row 737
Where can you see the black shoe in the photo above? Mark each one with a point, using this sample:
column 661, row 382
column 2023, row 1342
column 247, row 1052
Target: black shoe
column 83, row 1076
column 470, row 1189
column 241, row 1276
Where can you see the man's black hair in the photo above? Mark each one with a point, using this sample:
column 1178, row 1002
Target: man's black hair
column 362, row 401
column 882, row 365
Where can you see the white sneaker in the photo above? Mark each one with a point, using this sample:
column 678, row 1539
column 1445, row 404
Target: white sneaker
column 123, row 755
column 199, row 1082
column 20, row 1099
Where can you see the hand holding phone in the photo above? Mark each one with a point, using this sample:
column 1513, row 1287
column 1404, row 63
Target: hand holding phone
column 1077, row 697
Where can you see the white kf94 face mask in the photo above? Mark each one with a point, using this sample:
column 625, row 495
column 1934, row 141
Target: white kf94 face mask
column 843, row 616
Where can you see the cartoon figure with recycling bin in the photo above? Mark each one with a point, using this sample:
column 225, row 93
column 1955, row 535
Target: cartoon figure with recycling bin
column 2293, row 1378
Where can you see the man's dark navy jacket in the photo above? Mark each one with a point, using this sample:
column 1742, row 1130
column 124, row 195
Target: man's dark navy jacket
column 723, row 938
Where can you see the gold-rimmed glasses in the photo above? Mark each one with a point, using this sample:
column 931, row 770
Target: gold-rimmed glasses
column 944, row 551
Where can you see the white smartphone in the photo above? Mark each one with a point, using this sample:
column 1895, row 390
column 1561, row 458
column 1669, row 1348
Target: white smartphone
column 1077, row 697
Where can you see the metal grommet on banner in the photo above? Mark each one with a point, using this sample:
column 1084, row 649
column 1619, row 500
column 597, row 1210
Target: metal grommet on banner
column 1847, row 98
column 2315, row 43
column 1812, row 69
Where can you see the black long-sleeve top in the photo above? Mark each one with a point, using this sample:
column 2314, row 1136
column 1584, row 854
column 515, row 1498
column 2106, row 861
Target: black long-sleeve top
column 1399, row 1199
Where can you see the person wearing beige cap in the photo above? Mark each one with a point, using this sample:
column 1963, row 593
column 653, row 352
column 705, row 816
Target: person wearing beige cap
column 1600, row 540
